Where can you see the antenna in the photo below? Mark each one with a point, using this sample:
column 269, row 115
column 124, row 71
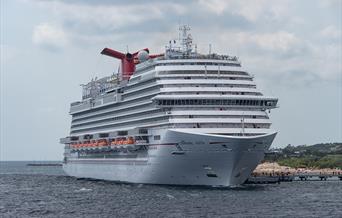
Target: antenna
column 209, row 48
column 205, row 70
column 243, row 124
column 185, row 39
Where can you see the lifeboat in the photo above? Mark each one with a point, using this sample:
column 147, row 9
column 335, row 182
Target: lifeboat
column 102, row 142
column 130, row 140
column 86, row 144
column 119, row 141
column 96, row 143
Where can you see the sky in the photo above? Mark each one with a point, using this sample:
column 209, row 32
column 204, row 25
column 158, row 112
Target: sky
column 50, row 47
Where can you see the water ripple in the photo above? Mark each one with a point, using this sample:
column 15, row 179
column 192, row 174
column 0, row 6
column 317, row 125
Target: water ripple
column 56, row 195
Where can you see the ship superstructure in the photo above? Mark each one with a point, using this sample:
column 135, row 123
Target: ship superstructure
column 180, row 117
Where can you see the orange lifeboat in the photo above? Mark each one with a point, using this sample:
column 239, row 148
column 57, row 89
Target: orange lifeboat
column 102, row 142
column 130, row 140
column 92, row 144
column 86, row 144
column 121, row 141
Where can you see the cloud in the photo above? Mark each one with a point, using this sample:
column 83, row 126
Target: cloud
column 49, row 36
column 284, row 57
column 331, row 32
column 104, row 18
column 272, row 32
column 7, row 54
column 250, row 9
column 280, row 43
column 105, row 22
column 330, row 4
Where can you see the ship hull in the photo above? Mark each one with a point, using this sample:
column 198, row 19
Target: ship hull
column 181, row 158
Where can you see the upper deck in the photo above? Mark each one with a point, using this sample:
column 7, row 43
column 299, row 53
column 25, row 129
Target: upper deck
column 179, row 66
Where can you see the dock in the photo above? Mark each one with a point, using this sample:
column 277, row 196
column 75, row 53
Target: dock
column 318, row 177
column 272, row 179
column 44, row 164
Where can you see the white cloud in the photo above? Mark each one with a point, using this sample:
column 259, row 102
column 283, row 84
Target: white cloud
column 216, row 6
column 105, row 23
column 280, row 56
column 277, row 38
column 330, row 3
column 49, row 36
column 331, row 32
column 280, row 41
column 112, row 16
column 108, row 16
column 326, row 62
column 7, row 54
column 249, row 9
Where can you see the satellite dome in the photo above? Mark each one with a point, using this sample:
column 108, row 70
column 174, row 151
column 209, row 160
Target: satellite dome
column 143, row 56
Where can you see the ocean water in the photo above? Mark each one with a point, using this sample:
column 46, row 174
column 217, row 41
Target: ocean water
column 46, row 192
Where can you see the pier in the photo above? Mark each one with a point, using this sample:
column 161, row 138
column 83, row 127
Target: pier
column 318, row 177
column 278, row 178
column 44, row 164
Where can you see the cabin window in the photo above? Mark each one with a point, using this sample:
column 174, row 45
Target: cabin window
column 122, row 133
column 74, row 138
column 103, row 135
column 156, row 137
column 87, row 136
column 142, row 131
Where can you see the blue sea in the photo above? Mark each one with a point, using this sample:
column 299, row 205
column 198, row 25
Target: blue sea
column 45, row 191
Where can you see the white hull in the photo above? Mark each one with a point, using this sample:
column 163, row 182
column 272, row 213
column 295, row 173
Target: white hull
column 181, row 158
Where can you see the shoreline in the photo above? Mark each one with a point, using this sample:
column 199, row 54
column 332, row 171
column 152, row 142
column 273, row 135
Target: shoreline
column 273, row 168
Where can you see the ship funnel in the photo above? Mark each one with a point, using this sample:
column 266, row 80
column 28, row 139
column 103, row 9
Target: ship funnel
column 128, row 60
column 129, row 56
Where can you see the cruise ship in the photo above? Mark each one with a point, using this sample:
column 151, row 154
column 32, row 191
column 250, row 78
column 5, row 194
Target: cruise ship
column 176, row 118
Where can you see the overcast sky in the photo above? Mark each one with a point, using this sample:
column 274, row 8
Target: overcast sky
column 48, row 48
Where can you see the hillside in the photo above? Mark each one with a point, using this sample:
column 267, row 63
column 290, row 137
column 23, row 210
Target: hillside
column 327, row 155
